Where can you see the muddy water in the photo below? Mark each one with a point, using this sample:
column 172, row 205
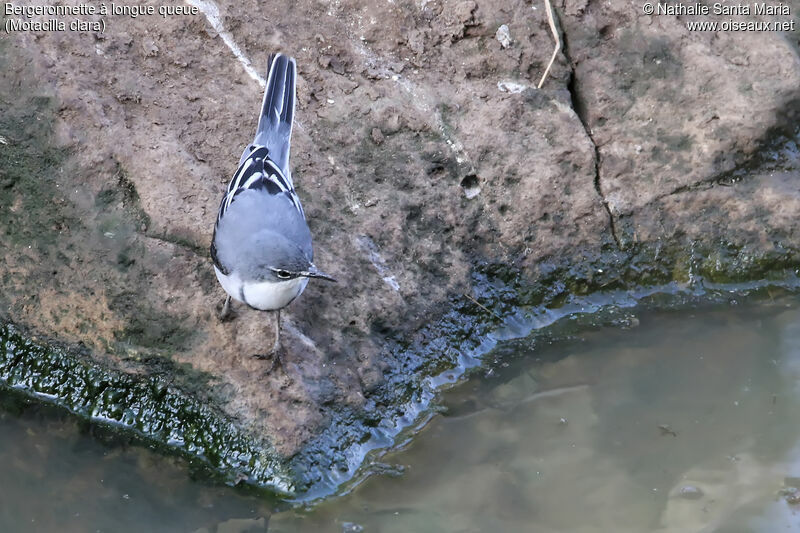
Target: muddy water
column 686, row 422
column 60, row 476
column 689, row 421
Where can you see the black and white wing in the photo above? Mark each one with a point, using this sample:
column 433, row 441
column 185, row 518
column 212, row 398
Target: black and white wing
column 259, row 172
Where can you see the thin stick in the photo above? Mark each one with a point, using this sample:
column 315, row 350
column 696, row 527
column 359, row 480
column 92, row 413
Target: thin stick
column 549, row 9
column 476, row 302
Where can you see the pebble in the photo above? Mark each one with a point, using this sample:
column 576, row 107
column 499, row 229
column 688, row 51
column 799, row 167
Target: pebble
column 504, row 36
column 690, row 492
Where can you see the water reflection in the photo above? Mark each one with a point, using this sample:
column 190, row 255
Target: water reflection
column 57, row 476
column 685, row 423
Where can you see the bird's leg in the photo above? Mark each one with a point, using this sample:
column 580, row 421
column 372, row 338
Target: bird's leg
column 276, row 347
column 226, row 309
column 275, row 353
column 277, row 331
column 225, row 312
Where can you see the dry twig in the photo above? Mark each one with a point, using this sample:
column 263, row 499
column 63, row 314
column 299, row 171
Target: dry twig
column 476, row 302
column 552, row 22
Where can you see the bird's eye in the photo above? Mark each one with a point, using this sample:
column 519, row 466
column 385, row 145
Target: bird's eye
column 283, row 274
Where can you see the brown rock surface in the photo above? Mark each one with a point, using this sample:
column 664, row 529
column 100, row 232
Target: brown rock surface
column 405, row 109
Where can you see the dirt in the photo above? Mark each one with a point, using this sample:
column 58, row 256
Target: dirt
column 422, row 153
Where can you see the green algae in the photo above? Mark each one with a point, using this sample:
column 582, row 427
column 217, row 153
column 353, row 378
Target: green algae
column 159, row 411
column 28, row 186
column 146, row 326
column 124, row 192
column 44, row 234
column 151, row 408
column 597, row 291
column 164, row 415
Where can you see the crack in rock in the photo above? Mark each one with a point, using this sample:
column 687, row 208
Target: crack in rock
column 768, row 157
column 580, row 111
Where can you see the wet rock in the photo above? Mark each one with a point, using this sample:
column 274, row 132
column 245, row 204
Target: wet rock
column 471, row 186
column 690, row 492
column 665, row 430
column 238, row 525
column 791, row 495
column 428, row 170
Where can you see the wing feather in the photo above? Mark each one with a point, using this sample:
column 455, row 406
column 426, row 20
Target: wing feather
column 258, row 171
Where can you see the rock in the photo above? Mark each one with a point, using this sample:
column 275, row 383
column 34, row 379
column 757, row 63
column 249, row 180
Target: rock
column 690, row 492
column 791, row 495
column 377, row 135
column 511, row 87
column 727, row 119
column 503, row 36
column 650, row 156
column 150, row 48
column 471, row 186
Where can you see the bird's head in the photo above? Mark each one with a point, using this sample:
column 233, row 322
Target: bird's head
column 285, row 261
column 310, row 271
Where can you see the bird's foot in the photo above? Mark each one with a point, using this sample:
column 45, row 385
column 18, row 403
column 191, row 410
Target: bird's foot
column 274, row 356
column 277, row 347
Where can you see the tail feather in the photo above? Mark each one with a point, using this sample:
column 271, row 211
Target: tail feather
column 277, row 110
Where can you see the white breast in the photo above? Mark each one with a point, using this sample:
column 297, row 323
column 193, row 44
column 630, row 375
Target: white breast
column 266, row 296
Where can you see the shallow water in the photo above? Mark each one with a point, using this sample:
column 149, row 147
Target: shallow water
column 57, row 476
column 689, row 421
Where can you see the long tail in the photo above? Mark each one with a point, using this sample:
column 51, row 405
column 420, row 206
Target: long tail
column 277, row 111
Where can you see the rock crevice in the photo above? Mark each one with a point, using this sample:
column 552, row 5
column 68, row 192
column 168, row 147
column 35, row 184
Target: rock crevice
column 566, row 191
column 578, row 105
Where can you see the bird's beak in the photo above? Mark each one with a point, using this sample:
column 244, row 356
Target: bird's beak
column 314, row 272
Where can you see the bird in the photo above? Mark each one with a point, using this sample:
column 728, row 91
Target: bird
column 261, row 247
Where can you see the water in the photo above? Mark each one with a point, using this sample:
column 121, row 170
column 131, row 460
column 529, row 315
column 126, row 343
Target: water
column 689, row 421
column 57, row 476
column 684, row 423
